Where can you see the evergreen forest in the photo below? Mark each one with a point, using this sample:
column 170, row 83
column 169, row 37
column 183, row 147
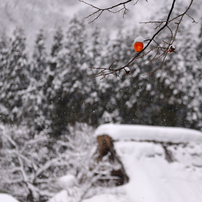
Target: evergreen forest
column 53, row 88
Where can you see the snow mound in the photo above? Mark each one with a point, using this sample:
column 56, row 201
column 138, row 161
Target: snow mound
column 62, row 196
column 7, row 198
column 154, row 179
column 67, row 181
column 105, row 198
column 150, row 133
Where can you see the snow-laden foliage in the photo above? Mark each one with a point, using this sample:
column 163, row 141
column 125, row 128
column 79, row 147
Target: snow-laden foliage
column 57, row 87
column 14, row 76
column 30, row 167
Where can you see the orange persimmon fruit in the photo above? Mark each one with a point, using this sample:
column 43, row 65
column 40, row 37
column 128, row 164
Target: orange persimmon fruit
column 139, row 43
column 138, row 46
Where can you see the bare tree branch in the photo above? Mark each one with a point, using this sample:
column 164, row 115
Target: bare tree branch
column 100, row 11
column 161, row 52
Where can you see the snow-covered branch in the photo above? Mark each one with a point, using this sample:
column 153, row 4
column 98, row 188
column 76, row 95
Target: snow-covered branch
column 162, row 51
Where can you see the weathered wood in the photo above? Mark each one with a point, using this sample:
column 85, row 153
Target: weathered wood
column 118, row 175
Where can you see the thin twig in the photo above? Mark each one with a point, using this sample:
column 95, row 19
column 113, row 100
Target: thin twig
column 162, row 24
column 100, row 11
column 193, row 20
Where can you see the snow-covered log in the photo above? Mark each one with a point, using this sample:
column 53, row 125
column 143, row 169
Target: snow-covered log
column 149, row 133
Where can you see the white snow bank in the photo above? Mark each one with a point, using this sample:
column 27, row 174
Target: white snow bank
column 156, row 133
column 154, row 179
column 67, row 181
column 105, row 198
column 7, row 198
column 62, row 196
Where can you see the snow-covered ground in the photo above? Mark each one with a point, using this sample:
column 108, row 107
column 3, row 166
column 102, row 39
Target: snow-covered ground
column 7, row 198
column 152, row 177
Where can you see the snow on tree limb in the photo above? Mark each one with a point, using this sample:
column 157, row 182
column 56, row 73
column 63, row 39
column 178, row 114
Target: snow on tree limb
column 161, row 51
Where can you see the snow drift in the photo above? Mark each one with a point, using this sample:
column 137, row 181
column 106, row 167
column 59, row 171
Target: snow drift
column 140, row 132
column 153, row 177
column 7, row 198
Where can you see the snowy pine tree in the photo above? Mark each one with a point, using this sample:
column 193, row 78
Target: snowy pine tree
column 36, row 101
column 16, row 74
column 71, row 79
column 57, row 42
column 4, row 59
